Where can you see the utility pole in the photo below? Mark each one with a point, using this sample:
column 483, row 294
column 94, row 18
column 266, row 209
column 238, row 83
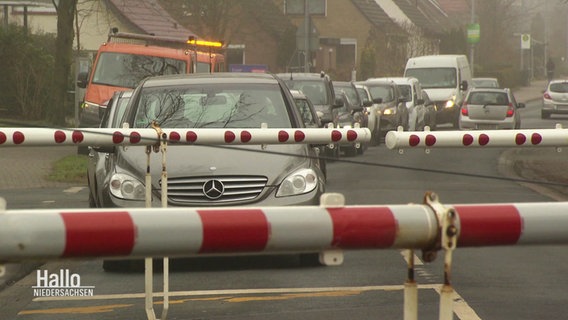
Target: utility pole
column 472, row 45
column 306, row 37
column 545, row 60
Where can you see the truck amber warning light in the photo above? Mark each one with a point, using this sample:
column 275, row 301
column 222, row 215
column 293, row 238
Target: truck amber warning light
column 205, row 43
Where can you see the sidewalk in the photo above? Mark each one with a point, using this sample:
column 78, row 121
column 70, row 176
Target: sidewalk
column 532, row 92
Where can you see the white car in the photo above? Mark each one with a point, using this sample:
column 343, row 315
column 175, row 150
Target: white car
column 490, row 109
column 373, row 112
column 419, row 114
column 555, row 98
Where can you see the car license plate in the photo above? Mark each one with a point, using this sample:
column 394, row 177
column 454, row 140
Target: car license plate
column 486, row 126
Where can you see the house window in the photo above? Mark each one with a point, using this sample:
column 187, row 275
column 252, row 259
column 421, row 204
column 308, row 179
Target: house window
column 317, row 7
column 347, row 52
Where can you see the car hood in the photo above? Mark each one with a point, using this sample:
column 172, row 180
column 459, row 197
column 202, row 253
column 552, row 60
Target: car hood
column 274, row 161
column 441, row 94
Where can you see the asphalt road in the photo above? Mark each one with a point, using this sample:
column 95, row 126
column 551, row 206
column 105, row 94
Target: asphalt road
column 368, row 284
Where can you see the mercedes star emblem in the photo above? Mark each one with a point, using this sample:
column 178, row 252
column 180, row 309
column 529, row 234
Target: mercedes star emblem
column 213, row 189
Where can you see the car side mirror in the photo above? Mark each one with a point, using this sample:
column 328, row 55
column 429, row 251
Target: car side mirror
column 378, row 100
column 82, row 79
column 338, row 104
column 357, row 109
column 463, row 86
column 419, row 101
column 367, row 103
column 520, row 105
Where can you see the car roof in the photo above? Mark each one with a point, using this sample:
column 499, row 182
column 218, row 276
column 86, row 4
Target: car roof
column 302, row 76
column 210, row 78
column 397, row 80
column 476, row 89
column 378, row 81
column 297, row 94
column 558, row 81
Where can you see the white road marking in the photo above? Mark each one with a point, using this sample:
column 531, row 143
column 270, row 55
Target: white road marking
column 73, row 189
column 461, row 308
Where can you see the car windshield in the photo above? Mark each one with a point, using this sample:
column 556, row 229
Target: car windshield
column 305, row 111
column 431, row 78
column 350, row 92
column 314, row 90
column 488, row 98
column 363, row 94
column 212, row 106
column 559, row 87
column 127, row 70
column 405, row 91
column 386, row 93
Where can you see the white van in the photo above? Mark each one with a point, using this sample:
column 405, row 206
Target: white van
column 445, row 78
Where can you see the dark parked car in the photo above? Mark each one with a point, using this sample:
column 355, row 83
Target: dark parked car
column 350, row 116
column 319, row 89
column 392, row 109
column 311, row 120
column 99, row 165
column 243, row 175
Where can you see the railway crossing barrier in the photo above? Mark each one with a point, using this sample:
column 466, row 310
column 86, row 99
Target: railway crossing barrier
column 526, row 138
column 327, row 229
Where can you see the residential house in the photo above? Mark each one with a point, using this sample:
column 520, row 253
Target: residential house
column 96, row 18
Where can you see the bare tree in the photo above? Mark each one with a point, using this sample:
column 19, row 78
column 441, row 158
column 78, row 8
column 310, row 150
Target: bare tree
column 63, row 58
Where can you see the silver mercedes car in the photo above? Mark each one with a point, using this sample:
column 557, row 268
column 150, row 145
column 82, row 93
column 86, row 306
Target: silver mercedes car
column 211, row 175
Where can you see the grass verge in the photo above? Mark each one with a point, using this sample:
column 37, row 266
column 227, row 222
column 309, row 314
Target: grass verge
column 72, row 168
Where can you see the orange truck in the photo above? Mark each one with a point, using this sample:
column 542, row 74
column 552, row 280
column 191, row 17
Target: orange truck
column 127, row 58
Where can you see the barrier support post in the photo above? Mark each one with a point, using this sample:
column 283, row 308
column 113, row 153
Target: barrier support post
column 2, row 211
column 410, row 290
column 449, row 241
column 148, row 262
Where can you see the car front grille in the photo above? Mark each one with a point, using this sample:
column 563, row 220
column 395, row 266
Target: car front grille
column 187, row 191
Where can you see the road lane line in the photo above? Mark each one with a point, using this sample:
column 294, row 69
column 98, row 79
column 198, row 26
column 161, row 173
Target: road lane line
column 461, row 308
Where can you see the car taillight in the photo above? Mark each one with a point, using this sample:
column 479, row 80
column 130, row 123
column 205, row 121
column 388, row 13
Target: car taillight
column 547, row 96
column 464, row 111
column 510, row 111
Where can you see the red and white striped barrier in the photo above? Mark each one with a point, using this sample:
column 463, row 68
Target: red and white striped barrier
column 476, row 139
column 90, row 233
column 11, row 137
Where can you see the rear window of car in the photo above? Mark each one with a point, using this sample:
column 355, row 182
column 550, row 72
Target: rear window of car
column 314, row 90
column 559, row 87
column 212, row 106
column 488, row 98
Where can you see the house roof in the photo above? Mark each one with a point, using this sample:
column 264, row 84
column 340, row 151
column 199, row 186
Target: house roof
column 426, row 15
column 376, row 15
column 147, row 16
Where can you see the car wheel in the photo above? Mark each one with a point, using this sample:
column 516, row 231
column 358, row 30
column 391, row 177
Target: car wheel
column 92, row 203
column 351, row 151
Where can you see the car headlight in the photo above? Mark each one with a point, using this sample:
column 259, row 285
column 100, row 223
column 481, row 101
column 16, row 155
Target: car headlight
column 127, row 187
column 89, row 105
column 299, row 182
column 450, row 103
column 389, row 111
